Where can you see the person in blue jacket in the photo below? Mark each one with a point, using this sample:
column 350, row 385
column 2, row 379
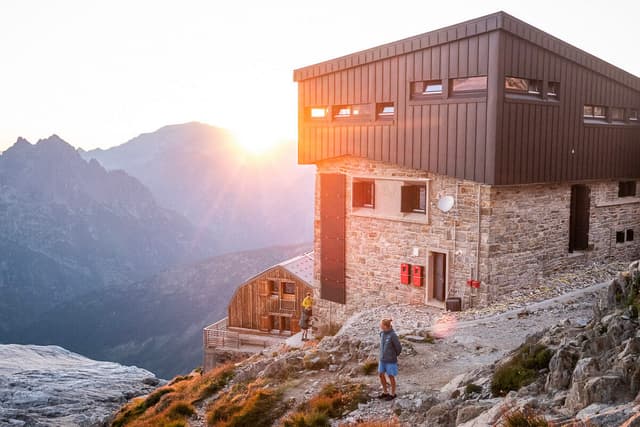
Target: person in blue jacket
column 390, row 348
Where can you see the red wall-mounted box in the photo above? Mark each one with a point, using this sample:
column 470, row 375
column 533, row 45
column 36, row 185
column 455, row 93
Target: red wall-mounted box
column 405, row 273
column 418, row 275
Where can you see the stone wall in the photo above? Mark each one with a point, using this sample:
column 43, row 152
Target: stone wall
column 523, row 232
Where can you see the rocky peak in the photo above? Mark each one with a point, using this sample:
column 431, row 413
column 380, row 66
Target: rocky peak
column 48, row 385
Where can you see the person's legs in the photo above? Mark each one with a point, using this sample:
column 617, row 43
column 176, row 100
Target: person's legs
column 383, row 379
column 392, row 380
column 383, row 382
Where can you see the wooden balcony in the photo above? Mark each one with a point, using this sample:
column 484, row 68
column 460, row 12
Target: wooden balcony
column 219, row 335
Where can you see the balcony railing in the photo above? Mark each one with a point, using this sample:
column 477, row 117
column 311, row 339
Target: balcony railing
column 217, row 335
column 281, row 305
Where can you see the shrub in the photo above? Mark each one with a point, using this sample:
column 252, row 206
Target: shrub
column 180, row 410
column 521, row 370
column 472, row 388
column 369, row 367
column 524, row 418
column 311, row 419
column 129, row 415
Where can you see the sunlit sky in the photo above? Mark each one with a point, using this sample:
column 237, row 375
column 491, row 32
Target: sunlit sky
column 100, row 73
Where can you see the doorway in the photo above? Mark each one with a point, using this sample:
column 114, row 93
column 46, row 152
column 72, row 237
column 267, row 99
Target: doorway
column 579, row 218
column 437, row 277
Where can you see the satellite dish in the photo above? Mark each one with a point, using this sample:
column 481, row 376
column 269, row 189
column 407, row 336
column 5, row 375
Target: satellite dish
column 446, row 203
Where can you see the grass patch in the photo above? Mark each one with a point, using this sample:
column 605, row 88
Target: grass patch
column 250, row 405
column 369, row 367
column 139, row 407
column 180, row 410
column 333, row 401
column 214, row 381
column 524, row 418
column 521, row 370
column 180, row 378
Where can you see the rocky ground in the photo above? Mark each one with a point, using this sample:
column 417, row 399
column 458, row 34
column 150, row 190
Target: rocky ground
column 50, row 386
column 467, row 348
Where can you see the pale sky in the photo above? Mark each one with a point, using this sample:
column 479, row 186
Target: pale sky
column 100, row 73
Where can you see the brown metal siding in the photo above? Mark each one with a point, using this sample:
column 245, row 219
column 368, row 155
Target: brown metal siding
column 332, row 237
column 548, row 141
column 445, row 136
column 490, row 138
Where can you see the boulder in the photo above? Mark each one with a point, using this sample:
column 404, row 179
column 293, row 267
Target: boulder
column 472, row 411
column 561, row 367
column 585, row 369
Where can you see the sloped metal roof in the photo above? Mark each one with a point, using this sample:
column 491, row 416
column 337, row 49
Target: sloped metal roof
column 300, row 266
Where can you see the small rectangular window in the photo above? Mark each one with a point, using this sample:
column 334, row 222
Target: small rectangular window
column 629, row 235
column 385, row 111
column 426, row 89
column 357, row 111
column 626, row 189
column 523, row 86
column 289, row 288
column 594, row 112
column 363, row 194
column 619, row 236
column 633, row 115
column 553, row 90
column 414, row 198
column 617, row 114
column 318, row 113
column 469, row 84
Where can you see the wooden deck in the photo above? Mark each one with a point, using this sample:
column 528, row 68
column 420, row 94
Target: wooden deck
column 220, row 335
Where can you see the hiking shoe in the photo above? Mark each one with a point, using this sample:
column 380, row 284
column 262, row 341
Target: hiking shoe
column 389, row 397
column 384, row 396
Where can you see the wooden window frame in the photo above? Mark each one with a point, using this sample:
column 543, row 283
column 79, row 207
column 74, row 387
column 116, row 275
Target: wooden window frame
column 410, row 198
column 525, row 92
column 359, row 196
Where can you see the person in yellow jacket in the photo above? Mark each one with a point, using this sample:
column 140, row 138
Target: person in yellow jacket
column 307, row 302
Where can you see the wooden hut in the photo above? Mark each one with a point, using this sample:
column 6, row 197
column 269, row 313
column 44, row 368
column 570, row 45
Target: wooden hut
column 271, row 301
column 265, row 310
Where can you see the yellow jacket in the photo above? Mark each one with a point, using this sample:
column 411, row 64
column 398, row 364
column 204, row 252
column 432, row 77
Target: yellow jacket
column 307, row 302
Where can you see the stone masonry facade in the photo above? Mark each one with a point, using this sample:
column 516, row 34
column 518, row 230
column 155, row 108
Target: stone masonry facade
column 505, row 237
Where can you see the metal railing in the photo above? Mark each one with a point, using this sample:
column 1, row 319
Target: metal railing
column 217, row 335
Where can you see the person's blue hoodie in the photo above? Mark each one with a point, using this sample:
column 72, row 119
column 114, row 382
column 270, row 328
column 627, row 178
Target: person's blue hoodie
column 390, row 346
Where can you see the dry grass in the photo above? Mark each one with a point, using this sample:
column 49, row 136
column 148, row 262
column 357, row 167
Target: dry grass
column 253, row 404
column 375, row 423
column 333, row 401
column 173, row 404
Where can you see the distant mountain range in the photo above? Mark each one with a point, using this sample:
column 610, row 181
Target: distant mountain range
column 155, row 323
column 68, row 227
column 93, row 260
column 200, row 172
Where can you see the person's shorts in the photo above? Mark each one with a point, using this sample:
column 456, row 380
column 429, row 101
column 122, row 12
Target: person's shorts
column 388, row 368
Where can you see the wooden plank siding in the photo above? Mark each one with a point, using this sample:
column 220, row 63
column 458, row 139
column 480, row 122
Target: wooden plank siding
column 250, row 301
column 489, row 138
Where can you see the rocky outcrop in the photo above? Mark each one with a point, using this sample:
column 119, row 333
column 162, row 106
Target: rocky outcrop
column 594, row 373
column 50, row 386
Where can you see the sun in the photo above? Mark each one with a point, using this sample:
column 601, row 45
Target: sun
column 255, row 140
